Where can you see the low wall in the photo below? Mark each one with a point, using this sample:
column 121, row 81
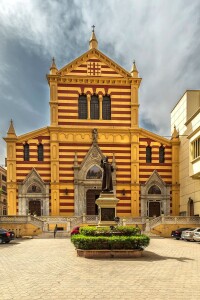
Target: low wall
column 165, row 230
column 109, row 253
column 22, row 229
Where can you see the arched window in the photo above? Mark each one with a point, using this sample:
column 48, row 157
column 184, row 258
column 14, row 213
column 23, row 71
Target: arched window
column 26, row 152
column 40, row 152
column 82, row 107
column 4, row 207
column 161, row 154
column 154, row 189
column 106, row 108
column 148, row 154
column 34, row 189
column 94, row 173
column 94, row 107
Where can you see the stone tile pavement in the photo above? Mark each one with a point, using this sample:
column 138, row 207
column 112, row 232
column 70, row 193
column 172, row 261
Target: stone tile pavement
column 48, row 269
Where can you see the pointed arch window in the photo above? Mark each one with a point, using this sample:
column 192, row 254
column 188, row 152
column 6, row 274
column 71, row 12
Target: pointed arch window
column 40, row 152
column 94, row 107
column 154, row 189
column 82, row 107
column 148, row 154
column 94, row 173
column 161, row 154
column 26, row 152
column 106, row 108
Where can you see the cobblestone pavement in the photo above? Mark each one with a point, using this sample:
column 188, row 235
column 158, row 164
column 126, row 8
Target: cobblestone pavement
column 48, row 269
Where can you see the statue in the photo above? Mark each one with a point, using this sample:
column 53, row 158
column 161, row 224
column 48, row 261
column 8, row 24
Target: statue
column 107, row 185
column 94, row 135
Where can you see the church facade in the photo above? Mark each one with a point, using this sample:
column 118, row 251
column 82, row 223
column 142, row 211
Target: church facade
column 93, row 113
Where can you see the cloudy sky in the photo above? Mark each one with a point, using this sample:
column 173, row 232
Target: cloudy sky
column 163, row 36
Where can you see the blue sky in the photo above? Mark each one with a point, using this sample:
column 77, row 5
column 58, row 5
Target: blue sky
column 161, row 35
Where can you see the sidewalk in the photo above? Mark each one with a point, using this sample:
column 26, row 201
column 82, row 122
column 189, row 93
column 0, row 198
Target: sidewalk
column 49, row 269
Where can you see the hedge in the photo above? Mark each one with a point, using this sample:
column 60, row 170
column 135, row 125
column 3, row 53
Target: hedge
column 110, row 243
column 107, row 231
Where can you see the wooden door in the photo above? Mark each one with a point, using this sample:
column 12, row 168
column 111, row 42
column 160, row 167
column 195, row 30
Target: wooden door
column 154, row 209
column 35, row 207
column 91, row 206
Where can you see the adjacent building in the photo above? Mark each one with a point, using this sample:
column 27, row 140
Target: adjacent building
column 186, row 117
column 3, row 191
column 94, row 109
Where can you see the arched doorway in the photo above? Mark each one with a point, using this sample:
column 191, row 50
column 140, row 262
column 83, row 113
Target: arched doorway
column 35, row 207
column 155, row 196
column 91, row 206
column 190, row 207
column 154, row 208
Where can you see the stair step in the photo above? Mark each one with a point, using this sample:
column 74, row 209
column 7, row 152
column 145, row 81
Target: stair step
column 50, row 235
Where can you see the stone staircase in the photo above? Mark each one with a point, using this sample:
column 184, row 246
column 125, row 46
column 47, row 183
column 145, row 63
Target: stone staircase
column 50, row 235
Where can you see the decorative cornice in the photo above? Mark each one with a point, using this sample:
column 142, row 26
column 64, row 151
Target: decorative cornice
column 93, row 80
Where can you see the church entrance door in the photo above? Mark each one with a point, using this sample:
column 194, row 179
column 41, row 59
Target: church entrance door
column 91, row 206
column 154, row 208
column 35, row 207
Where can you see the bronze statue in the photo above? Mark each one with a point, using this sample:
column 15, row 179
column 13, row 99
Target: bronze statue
column 107, row 185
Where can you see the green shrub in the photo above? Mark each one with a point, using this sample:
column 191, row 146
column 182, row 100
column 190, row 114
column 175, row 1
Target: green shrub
column 107, row 231
column 112, row 242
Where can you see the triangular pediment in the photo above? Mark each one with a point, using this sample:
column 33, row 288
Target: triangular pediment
column 155, row 137
column 33, row 134
column 156, row 179
column 33, row 176
column 94, row 63
column 93, row 157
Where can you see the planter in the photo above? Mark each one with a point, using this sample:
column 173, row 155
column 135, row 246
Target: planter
column 109, row 253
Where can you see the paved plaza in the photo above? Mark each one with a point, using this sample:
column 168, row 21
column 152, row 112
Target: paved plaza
column 49, row 269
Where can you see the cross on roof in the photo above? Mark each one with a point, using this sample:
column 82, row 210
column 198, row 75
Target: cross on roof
column 93, row 28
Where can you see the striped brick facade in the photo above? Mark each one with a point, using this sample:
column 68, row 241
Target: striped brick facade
column 70, row 150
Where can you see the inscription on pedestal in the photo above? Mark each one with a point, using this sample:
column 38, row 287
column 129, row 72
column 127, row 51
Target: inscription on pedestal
column 107, row 214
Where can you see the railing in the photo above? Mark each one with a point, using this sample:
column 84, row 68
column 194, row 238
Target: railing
column 173, row 220
column 154, row 222
column 36, row 221
column 43, row 221
column 181, row 220
column 54, row 219
column 91, row 219
column 13, row 219
column 138, row 220
column 76, row 221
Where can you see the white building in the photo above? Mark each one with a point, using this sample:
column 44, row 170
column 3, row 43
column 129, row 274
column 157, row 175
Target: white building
column 186, row 118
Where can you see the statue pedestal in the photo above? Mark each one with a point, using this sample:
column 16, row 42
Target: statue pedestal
column 107, row 203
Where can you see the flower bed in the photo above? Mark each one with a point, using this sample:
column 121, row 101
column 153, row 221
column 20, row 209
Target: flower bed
column 122, row 241
column 109, row 253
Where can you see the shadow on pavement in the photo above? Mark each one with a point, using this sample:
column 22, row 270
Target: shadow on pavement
column 148, row 256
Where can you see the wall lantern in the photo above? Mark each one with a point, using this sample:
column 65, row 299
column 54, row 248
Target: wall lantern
column 123, row 192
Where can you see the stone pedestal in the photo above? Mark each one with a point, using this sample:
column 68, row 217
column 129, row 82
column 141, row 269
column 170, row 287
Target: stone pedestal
column 107, row 203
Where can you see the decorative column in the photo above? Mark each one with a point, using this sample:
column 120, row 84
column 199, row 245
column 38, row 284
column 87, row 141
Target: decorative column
column 54, row 155
column 135, row 83
column 135, row 187
column 52, row 80
column 76, row 190
column 175, row 173
column 100, row 107
column 88, row 105
column 11, row 140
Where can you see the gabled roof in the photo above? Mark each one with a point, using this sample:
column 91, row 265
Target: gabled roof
column 32, row 134
column 92, row 54
column 154, row 136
